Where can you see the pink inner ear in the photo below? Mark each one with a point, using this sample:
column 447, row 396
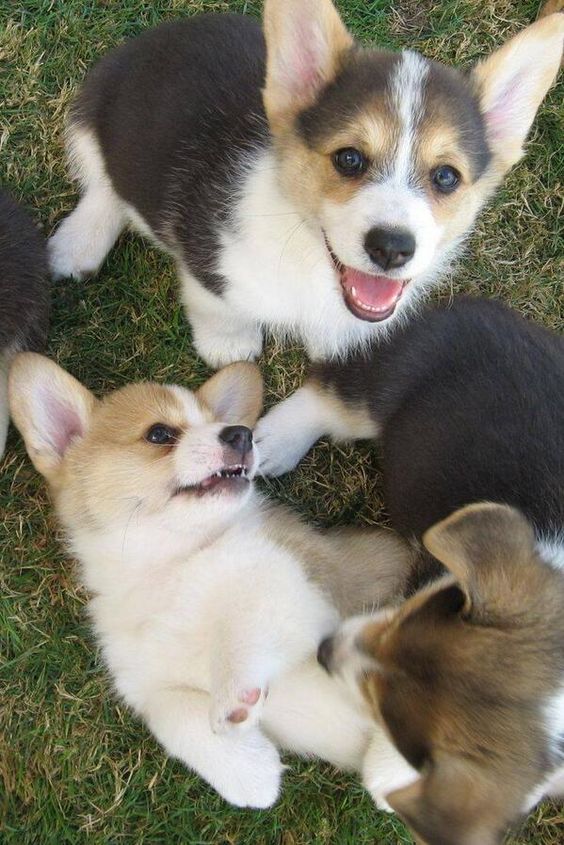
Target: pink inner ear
column 62, row 423
column 504, row 115
column 304, row 66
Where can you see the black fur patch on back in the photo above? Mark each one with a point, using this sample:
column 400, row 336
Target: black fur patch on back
column 470, row 399
column 24, row 286
column 178, row 113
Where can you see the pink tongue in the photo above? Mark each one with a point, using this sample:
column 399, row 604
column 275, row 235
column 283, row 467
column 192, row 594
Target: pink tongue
column 375, row 293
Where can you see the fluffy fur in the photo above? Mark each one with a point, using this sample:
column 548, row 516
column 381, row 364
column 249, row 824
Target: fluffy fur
column 208, row 602
column 467, row 673
column 24, row 293
column 250, row 193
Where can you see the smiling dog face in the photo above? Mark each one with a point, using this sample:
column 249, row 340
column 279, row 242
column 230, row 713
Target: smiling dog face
column 394, row 154
column 467, row 676
column 147, row 452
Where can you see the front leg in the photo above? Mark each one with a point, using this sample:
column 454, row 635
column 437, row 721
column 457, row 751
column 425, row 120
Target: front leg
column 245, row 770
column 289, row 430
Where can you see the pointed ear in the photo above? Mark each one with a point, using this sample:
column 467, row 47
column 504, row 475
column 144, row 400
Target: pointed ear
column 50, row 408
column 512, row 83
column 483, row 545
column 305, row 42
column 452, row 804
column 234, row 394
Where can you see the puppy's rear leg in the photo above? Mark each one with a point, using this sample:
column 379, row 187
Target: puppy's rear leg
column 244, row 768
column 85, row 237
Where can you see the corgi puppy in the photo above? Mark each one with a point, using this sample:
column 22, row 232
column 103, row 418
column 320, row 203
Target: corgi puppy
column 467, row 674
column 24, row 293
column 207, row 601
column 303, row 184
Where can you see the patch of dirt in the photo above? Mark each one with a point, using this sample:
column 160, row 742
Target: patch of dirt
column 410, row 17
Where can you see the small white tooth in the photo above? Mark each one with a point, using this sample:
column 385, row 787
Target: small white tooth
column 353, row 291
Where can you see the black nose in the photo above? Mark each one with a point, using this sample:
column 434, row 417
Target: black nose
column 325, row 653
column 239, row 437
column 389, row 248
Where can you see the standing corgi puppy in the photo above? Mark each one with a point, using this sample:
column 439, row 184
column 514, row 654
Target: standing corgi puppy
column 24, row 293
column 207, row 601
column 467, row 674
column 302, row 183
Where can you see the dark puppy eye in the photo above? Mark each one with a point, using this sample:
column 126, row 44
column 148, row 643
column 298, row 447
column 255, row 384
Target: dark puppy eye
column 162, row 435
column 445, row 179
column 349, row 162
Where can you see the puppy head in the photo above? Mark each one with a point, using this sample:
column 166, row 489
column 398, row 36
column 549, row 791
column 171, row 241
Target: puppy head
column 394, row 154
column 464, row 676
column 145, row 455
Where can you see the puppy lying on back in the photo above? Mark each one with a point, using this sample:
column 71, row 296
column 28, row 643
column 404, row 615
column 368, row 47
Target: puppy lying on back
column 208, row 602
column 467, row 674
column 24, row 293
column 302, row 183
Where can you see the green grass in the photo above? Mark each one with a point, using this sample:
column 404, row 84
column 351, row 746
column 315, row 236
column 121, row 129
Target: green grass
column 75, row 766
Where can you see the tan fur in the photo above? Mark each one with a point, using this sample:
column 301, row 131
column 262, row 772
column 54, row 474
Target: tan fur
column 349, row 420
column 362, row 569
column 308, row 175
column 112, row 454
column 477, row 650
column 551, row 8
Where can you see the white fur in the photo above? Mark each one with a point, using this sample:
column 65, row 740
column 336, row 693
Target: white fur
column 552, row 551
column 199, row 610
column 85, row 237
column 394, row 202
column 553, row 785
column 280, row 276
column 289, row 429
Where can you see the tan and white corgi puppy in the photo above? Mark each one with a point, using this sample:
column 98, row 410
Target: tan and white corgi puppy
column 207, row 601
column 302, row 183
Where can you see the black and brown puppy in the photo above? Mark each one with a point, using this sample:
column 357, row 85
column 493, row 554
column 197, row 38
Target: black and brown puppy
column 467, row 673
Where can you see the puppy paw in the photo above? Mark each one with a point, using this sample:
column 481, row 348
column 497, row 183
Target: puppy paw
column 218, row 349
column 252, row 775
column 280, row 443
column 236, row 709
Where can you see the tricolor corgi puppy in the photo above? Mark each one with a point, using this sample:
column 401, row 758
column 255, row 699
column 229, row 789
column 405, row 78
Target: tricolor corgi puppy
column 467, row 674
column 303, row 184
column 24, row 293
column 207, row 601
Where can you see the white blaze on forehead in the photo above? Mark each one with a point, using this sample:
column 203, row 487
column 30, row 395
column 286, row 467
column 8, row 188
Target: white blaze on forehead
column 407, row 88
column 195, row 414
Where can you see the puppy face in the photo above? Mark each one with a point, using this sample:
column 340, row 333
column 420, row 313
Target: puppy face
column 465, row 675
column 393, row 155
column 143, row 455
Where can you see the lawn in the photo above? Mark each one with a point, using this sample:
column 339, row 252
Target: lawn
column 75, row 766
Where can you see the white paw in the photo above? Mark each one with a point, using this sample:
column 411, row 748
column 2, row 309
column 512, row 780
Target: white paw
column 236, row 709
column 72, row 253
column 252, row 775
column 220, row 348
column 280, row 444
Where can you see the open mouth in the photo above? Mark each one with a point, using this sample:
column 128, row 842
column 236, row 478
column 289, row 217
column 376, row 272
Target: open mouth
column 367, row 296
column 233, row 479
